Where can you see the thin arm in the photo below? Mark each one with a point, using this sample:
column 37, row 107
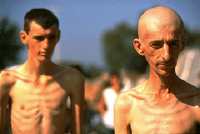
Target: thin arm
column 4, row 99
column 77, row 105
column 121, row 116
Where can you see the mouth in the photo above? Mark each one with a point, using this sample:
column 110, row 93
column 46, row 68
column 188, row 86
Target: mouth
column 45, row 53
column 166, row 64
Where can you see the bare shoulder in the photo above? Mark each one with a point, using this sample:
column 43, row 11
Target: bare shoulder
column 7, row 80
column 16, row 74
column 66, row 72
column 73, row 75
column 7, row 76
column 188, row 87
column 190, row 94
column 125, row 100
column 71, row 78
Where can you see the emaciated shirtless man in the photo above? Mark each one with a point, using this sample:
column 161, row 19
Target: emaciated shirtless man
column 164, row 103
column 38, row 89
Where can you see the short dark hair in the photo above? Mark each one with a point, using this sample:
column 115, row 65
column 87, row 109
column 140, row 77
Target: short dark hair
column 114, row 73
column 41, row 16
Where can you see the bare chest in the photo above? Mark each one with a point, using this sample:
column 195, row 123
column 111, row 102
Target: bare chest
column 38, row 105
column 44, row 93
column 44, row 99
column 163, row 116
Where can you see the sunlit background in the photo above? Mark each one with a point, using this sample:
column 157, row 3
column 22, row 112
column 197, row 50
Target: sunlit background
column 82, row 23
column 96, row 37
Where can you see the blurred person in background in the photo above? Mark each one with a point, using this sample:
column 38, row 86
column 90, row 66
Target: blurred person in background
column 109, row 96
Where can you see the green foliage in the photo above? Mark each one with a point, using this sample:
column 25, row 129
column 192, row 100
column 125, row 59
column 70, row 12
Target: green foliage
column 193, row 37
column 9, row 43
column 119, row 51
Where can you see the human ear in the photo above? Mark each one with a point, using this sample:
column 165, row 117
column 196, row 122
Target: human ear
column 23, row 36
column 59, row 32
column 183, row 43
column 138, row 46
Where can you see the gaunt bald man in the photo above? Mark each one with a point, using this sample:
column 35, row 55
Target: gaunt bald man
column 38, row 89
column 164, row 103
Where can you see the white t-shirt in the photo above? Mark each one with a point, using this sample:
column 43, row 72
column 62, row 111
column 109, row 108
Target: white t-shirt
column 110, row 96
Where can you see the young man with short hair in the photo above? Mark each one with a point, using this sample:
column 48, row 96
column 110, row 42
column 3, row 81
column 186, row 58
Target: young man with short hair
column 38, row 89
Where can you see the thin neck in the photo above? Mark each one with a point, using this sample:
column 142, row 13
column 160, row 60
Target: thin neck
column 161, row 84
column 36, row 68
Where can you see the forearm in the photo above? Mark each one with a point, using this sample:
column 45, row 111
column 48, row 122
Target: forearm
column 77, row 104
column 4, row 99
column 3, row 109
column 77, row 114
column 77, row 119
column 2, row 120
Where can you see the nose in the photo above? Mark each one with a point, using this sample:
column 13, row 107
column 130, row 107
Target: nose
column 166, row 52
column 46, row 43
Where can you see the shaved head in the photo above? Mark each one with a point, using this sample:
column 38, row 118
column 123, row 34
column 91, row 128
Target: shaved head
column 159, row 17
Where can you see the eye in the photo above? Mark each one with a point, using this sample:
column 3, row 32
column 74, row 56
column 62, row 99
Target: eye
column 174, row 43
column 39, row 38
column 52, row 37
column 156, row 45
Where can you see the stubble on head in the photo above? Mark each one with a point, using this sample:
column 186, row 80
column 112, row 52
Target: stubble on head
column 159, row 18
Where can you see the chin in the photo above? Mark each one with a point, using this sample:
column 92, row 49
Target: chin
column 44, row 60
column 165, row 73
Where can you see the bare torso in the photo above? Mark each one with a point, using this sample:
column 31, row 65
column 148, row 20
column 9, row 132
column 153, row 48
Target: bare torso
column 39, row 106
column 162, row 115
column 147, row 113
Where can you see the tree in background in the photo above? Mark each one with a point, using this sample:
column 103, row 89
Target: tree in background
column 193, row 37
column 10, row 45
column 119, row 51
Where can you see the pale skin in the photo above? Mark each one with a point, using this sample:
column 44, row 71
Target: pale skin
column 39, row 89
column 164, row 103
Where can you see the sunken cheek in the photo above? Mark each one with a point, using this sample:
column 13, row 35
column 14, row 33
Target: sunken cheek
column 35, row 46
column 152, row 56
